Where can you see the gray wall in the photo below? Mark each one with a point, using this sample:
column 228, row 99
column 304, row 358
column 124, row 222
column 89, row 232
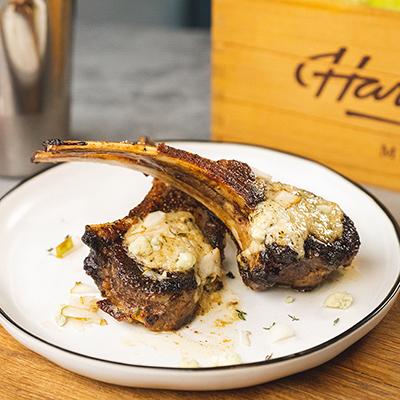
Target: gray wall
column 165, row 13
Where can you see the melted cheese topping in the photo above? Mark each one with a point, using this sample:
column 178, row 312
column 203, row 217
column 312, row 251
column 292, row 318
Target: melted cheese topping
column 289, row 216
column 172, row 242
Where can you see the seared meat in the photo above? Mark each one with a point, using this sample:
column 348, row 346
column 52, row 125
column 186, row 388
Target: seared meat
column 285, row 235
column 281, row 265
column 160, row 299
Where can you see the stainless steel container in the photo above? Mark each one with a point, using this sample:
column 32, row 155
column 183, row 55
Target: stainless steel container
column 35, row 59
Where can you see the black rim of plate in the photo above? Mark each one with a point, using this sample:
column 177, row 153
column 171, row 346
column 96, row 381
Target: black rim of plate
column 392, row 293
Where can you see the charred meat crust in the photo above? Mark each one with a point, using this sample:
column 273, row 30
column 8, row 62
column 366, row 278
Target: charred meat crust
column 234, row 174
column 164, row 304
column 128, row 272
column 60, row 142
column 130, row 296
column 281, row 266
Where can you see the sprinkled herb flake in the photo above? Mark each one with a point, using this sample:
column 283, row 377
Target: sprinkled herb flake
column 230, row 275
column 50, row 249
column 293, row 317
column 268, row 328
column 241, row 314
column 268, row 356
column 335, row 322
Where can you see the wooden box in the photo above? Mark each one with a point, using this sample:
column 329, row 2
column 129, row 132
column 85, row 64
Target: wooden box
column 317, row 78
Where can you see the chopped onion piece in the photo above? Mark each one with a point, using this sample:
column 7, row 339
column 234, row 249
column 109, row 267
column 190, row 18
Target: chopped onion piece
column 82, row 288
column 76, row 312
column 60, row 319
column 245, row 338
column 82, row 314
column 89, row 302
column 289, row 299
column 64, row 247
column 280, row 332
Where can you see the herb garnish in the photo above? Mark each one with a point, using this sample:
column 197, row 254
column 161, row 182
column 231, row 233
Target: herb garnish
column 269, row 327
column 268, row 356
column 241, row 314
column 230, row 275
column 293, row 317
column 336, row 321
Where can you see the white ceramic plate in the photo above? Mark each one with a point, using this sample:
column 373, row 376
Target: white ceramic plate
column 60, row 201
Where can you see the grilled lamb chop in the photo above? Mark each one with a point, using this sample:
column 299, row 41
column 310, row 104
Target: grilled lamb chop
column 285, row 235
column 145, row 266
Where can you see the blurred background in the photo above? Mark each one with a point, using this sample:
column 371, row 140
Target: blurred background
column 164, row 13
column 130, row 79
column 143, row 68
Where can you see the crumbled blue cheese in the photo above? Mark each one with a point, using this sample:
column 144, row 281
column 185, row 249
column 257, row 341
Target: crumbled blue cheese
column 155, row 218
column 172, row 242
column 186, row 260
column 140, row 246
column 210, row 264
column 341, row 300
column 289, row 215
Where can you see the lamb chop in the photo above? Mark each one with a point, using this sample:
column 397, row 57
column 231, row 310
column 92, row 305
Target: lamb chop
column 285, row 235
column 154, row 265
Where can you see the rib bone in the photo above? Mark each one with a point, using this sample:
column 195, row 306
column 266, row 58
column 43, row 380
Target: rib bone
column 231, row 191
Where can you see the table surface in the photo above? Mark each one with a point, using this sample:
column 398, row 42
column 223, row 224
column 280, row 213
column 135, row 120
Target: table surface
column 129, row 82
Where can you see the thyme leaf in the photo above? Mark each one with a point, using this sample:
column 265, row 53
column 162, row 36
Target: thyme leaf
column 269, row 327
column 241, row 314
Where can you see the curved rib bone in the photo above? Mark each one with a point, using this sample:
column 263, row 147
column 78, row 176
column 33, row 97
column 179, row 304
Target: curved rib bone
column 227, row 188
column 286, row 236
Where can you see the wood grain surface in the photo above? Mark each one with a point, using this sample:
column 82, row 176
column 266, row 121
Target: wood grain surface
column 370, row 369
